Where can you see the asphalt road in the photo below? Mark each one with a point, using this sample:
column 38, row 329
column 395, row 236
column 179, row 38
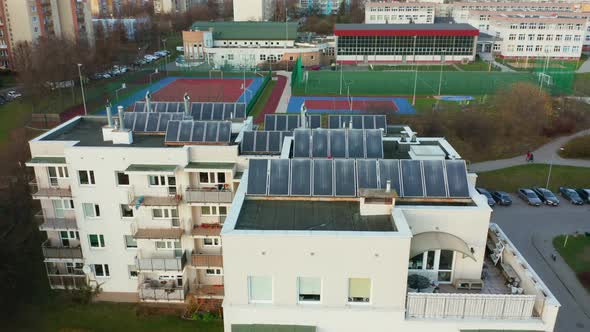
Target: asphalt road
column 532, row 229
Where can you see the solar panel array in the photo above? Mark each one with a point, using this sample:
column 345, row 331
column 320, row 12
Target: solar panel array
column 358, row 121
column 143, row 122
column 284, row 122
column 263, row 142
column 159, row 107
column 198, row 132
column 337, row 143
column 346, row 177
column 217, row 111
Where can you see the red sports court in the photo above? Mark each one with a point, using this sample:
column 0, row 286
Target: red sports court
column 202, row 90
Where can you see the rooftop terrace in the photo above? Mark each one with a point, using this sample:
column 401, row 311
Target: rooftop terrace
column 310, row 216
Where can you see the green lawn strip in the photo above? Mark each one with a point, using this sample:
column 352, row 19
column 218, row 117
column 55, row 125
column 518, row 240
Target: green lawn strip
column 512, row 178
column 261, row 102
column 577, row 148
column 446, row 67
column 107, row 317
column 576, row 254
column 478, row 65
column 12, row 115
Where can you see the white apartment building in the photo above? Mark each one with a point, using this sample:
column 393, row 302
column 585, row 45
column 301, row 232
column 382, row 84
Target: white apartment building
column 326, row 7
column 339, row 244
column 254, row 10
column 393, row 12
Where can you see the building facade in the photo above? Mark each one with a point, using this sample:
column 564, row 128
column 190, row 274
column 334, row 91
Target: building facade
column 254, row 10
column 241, row 44
column 404, row 43
column 5, row 52
column 326, row 7
column 393, row 12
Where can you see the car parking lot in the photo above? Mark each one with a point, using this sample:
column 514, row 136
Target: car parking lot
column 532, row 229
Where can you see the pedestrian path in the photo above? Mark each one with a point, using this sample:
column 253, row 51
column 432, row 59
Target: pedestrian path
column 286, row 96
column 543, row 155
column 487, row 57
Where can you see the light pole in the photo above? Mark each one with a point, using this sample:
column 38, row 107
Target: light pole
column 123, row 86
column 415, row 73
column 442, row 60
column 82, row 88
column 155, row 72
column 165, row 56
column 551, row 167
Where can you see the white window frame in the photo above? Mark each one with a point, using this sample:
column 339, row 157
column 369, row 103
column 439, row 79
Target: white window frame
column 101, row 241
column 215, row 241
column 168, row 245
column 105, row 269
column 131, row 269
column 359, row 303
column 250, row 300
column 130, row 208
column 61, row 172
column 309, row 301
column 125, row 237
column 95, row 209
column 214, row 272
column 159, row 181
column 166, row 214
column 117, row 179
column 90, row 175
column 212, row 177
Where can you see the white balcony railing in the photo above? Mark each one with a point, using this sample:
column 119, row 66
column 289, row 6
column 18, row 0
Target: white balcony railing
column 194, row 195
column 51, row 221
column 154, row 263
column 162, row 290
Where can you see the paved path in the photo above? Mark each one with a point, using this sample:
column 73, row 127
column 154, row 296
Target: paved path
column 487, row 57
column 543, row 155
column 284, row 102
column 585, row 67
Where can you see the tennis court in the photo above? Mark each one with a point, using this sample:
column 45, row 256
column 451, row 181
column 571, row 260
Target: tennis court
column 354, row 105
column 203, row 90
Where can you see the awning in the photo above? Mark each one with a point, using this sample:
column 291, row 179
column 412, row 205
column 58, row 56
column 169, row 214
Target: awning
column 143, row 168
column 42, row 161
column 195, row 167
column 438, row 240
column 271, row 328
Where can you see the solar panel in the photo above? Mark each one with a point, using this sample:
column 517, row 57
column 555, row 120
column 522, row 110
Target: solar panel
column 337, row 143
column 139, row 106
column 211, row 131
column 257, row 177
column 140, row 122
column 374, row 143
column 269, row 122
column 129, row 120
column 172, row 108
column 301, row 140
column 186, row 128
column 389, row 170
column 240, row 111
column 247, row 144
column 457, row 178
column 275, row 141
column 224, row 132
column 180, row 108
column 196, row 110
column 160, row 107
column 292, row 122
column 358, row 121
column 323, row 177
column 300, row 177
column 279, row 177
column 163, row 121
column 412, row 178
column 345, row 179
column 319, row 147
column 217, row 112
column 207, row 112
column 334, row 122
column 314, row 121
column 229, row 111
column 381, row 122
column 152, row 122
column 368, row 122
column 367, row 173
column 261, row 141
column 172, row 131
column 198, row 132
column 356, row 144
column 434, row 178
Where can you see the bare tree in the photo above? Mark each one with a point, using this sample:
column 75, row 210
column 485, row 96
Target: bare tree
column 523, row 109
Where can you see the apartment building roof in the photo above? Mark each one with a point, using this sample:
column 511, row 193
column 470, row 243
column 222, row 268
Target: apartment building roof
column 249, row 30
column 310, row 216
column 437, row 29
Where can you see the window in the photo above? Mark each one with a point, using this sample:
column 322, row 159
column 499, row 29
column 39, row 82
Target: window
column 211, row 177
column 122, row 179
column 57, row 172
column 577, row 38
column 157, row 180
column 512, row 36
column 126, row 211
column 549, row 38
column 86, row 177
column 67, row 236
column 521, row 36
column 96, row 240
column 568, row 38
column 531, row 37
column 167, row 245
column 309, row 289
column 359, row 290
column 91, row 210
column 130, row 242
column 132, row 271
column 557, row 49
column 262, row 57
column 519, row 48
column 260, row 289
column 565, row 49
column 164, row 213
column 540, row 37
column 529, row 48
column 214, row 272
column 101, row 270
column 557, row 37
column 230, row 56
column 211, row 242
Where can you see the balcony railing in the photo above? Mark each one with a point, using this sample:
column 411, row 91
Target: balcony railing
column 49, row 192
column 49, row 222
column 66, row 281
column 154, row 290
column 470, row 306
column 156, row 196
column 61, row 252
column 205, row 230
column 207, row 291
column 207, row 260
column 208, row 196
column 170, row 229
column 161, row 263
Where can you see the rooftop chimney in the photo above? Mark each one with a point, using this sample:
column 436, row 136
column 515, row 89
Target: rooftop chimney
column 122, row 135
column 187, row 99
column 110, row 116
column 121, row 124
column 388, row 186
column 107, row 131
column 303, row 115
column 148, row 98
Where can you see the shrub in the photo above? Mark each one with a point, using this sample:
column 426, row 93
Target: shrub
column 577, row 148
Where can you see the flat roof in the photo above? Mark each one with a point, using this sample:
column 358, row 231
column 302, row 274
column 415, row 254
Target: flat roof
column 150, row 168
column 210, row 165
column 249, row 30
column 287, row 215
column 436, row 29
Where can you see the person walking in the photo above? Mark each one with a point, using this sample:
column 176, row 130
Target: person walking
column 532, row 158
column 528, row 156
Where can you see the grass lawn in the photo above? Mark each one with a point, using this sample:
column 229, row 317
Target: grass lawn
column 578, row 148
column 108, row 317
column 12, row 115
column 261, row 102
column 576, row 253
column 512, row 178
column 478, row 65
column 446, row 67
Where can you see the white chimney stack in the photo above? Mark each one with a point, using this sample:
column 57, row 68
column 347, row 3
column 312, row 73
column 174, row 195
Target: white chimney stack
column 122, row 135
column 388, row 186
column 187, row 109
column 148, row 98
column 109, row 116
column 121, row 124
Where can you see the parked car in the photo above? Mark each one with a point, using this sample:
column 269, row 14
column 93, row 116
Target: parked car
column 584, row 194
column 106, row 75
column 3, row 100
column 546, row 196
column 12, row 94
column 571, row 195
column 502, row 198
column 529, row 196
column 487, row 194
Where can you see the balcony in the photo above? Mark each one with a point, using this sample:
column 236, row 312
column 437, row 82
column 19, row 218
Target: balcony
column 206, row 230
column 49, row 222
column 167, row 229
column 70, row 281
column 208, row 196
column 207, row 291
column 162, row 290
column 49, row 192
column 164, row 196
column 160, row 263
column 60, row 252
column 206, row 261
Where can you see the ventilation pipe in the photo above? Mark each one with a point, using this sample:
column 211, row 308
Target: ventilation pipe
column 187, row 99
column 121, row 124
column 110, row 115
column 388, row 186
column 303, row 116
column 148, row 98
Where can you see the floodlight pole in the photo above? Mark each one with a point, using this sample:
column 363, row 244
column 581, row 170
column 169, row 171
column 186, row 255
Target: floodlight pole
column 165, row 56
column 341, row 79
column 415, row 74
column 442, row 60
column 551, row 167
column 82, row 87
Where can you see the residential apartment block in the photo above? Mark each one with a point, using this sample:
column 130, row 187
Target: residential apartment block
column 254, row 10
column 393, row 12
column 326, row 7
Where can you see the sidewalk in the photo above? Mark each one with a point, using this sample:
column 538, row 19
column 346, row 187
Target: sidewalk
column 286, row 96
column 487, row 57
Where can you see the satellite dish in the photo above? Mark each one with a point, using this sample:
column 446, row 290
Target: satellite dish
column 86, row 269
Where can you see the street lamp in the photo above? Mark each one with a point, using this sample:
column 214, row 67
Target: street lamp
column 442, row 60
column 123, row 86
column 415, row 74
column 82, row 88
column 155, row 72
column 551, row 167
column 165, row 56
